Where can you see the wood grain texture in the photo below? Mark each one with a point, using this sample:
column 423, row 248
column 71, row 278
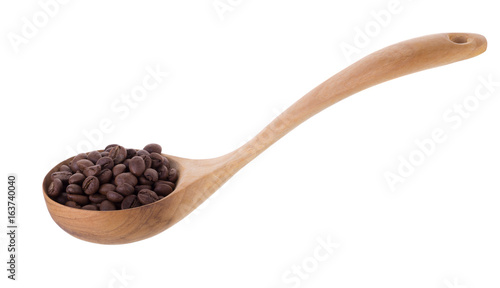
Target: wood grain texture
column 198, row 179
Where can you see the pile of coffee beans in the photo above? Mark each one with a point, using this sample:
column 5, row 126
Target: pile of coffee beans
column 117, row 178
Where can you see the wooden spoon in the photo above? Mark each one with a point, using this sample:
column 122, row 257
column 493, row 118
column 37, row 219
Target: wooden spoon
column 198, row 179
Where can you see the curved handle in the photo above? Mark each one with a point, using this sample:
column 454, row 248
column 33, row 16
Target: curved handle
column 388, row 63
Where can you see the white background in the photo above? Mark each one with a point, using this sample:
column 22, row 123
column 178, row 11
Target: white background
column 229, row 77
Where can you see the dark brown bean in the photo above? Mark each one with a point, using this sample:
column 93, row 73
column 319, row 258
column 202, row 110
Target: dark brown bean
column 146, row 196
column 137, row 165
column 55, row 188
column 65, row 168
column 72, row 204
column 147, row 160
column 73, row 165
column 151, row 174
column 125, row 189
column 105, row 188
column 140, row 187
column 142, row 152
column 92, row 170
column 62, row 199
column 105, row 176
column 144, row 181
column 107, row 205
column 130, row 201
column 166, row 162
column 104, row 153
column 97, row 198
column 131, row 153
column 156, row 160
column 172, row 175
column 126, row 178
column 61, row 175
column 76, row 178
column 119, row 169
column 106, row 162
column 153, row 148
column 84, row 163
column 118, row 154
column 114, row 197
column 126, row 162
column 74, row 189
column 90, row 185
column 94, row 156
column 162, row 172
column 109, row 147
column 166, row 182
column 79, row 199
column 163, row 189
column 89, row 207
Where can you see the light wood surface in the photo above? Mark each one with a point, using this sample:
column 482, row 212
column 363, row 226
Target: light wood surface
column 198, row 179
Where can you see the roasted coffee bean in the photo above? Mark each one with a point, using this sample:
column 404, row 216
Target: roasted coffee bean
column 105, row 176
column 74, row 189
column 106, row 162
column 126, row 162
column 89, row 207
column 65, row 168
column 144, row 181
column 61, row 175
column 151, row 174
column 118, row 154
column 84, row 163
column 162, row 172
column 156, row 148
column 90, row 185
column 115, row 173
column 94, row 156
column 93, row 170
column 172, row 175
column 165, row 182
column 72, row 204
column 119, row 169
column 105, row 188
column 73, row 165
column 142, row 152
column 61, row 199
column 156, row 160
column 97, row 198
column 140, row 187
column 125, row 189
column 114, row 197
column 130, row 201
column 166, row 162
column 126, row 178
column 107, row 205
column 137, row 165
column 55, row 188
column 79, row 199
column 131, row 153
column 146, row 196
column 147, row 160
column 109, row 147
column 163, row 189
column 76, row 178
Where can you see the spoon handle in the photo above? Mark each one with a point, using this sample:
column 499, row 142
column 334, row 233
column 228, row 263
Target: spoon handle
column 388, row 63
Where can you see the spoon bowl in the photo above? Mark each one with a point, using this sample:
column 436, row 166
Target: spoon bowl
column 198, row 179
